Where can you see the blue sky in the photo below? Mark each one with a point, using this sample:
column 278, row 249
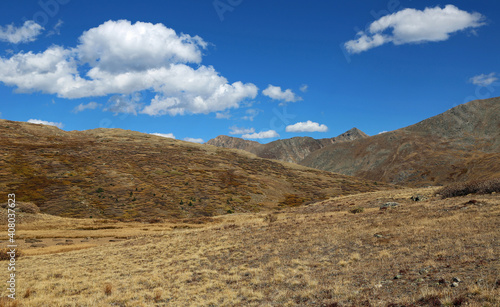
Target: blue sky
column 261, row 70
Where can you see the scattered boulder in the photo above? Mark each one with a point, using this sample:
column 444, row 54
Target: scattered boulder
column 38, row 245
column 454, row 284
column 32, row 240
column 390, row 204
column 456, row 279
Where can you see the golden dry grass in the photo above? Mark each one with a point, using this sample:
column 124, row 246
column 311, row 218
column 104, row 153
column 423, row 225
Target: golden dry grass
column 317, row 255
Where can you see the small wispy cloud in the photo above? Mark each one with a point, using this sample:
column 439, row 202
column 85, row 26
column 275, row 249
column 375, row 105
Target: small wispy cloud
column 24, row 34
column 165, row 135
column 223, row 115
column 308, row 126
column 44, row 122
column 89, row 106
column 261, row 135
column 483, row 79
column 194, row 140
column 236, row 130
column 303, row 88
column 56, row 30
column 251, row 114
column 275, row 92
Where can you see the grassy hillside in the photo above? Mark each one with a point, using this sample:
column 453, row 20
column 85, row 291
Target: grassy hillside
column 344, row 251
column 124, row 174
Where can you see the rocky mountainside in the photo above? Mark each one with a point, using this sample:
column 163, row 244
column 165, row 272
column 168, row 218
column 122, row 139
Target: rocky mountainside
column 460, row 144
column 115, row 173
column 290, row 150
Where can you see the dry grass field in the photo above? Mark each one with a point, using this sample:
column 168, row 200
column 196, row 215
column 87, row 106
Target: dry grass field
column 344, row 251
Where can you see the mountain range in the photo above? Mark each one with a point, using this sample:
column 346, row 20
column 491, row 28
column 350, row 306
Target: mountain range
column 460, row 144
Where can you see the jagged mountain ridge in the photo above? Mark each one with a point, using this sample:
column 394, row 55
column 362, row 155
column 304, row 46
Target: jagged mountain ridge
column 460, row 144
column 290, row 150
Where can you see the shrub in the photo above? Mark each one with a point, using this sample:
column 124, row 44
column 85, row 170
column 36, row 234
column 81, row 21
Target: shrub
column 27, row 207
column 470, row 187
column 108, row 289
column 357, row 210
column 271, row 218
column 5, row 256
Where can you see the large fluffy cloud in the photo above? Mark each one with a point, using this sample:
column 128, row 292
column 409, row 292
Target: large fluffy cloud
column 24, row 34
column 119, row 46
column 120, row 58
column 415, row 26
column 308, row 126
column 275, row 92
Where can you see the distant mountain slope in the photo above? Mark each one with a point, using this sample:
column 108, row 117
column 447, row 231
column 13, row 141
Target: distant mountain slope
column 460, row 144
column 290, row 150
column 115, row 173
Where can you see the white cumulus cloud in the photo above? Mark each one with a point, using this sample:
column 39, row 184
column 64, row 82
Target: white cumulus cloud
column 121, row 58
column 194, row 140
column 24, row 34
column 308, row 126
column 165, row 135
column 261, row 135
column 415, row 26
column 88, row 106
column 275, row 92
column 236, row 130
column 483, row 79
column 44, row 122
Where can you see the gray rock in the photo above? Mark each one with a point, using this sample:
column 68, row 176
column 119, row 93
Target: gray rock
column 390, row 204
column 398, row 276
column 456, row 279
column 453, row 285
column 32, row 240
